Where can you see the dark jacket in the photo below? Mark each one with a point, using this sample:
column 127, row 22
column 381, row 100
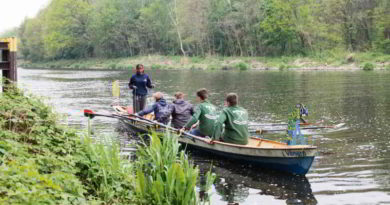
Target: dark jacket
column 181, row 113
column 142, row 82
column 162, row 111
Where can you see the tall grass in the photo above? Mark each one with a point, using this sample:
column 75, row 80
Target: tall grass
column 165, row 175
column 105, row 174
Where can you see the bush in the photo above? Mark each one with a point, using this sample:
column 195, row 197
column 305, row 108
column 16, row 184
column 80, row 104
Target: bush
column 113, row 66
column 43, row 162
column 282, row 67
column 212, row 67
column 368, row 66
column 196, row 59
column 76, row 66
column 384, row 46
column 156, row 66
column 242, row 66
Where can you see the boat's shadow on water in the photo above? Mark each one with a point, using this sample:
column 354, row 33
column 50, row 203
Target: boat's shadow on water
column 236, row 181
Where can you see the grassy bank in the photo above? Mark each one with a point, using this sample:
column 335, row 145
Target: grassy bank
column 330, row 60
column 43, row 162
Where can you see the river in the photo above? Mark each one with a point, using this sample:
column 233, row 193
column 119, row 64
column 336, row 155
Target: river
column 352, row 165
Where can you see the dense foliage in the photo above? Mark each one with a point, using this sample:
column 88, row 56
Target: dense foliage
column 42, row 162
column 69, row 29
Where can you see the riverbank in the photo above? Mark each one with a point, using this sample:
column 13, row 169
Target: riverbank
column 327, row 61
column 43, row 162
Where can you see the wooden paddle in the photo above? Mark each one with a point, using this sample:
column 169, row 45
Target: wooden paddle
column 91, row 114
column 280, row 124
column 261, row 131
column 186, row 134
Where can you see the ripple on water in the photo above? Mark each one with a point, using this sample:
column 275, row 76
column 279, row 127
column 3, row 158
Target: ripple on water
column 353, row 162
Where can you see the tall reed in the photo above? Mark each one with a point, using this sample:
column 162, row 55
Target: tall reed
column 165, row 175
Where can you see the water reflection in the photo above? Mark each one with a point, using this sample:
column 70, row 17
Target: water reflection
column 236, row 182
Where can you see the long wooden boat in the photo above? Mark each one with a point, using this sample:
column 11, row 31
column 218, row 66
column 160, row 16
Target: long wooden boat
column 296, row 159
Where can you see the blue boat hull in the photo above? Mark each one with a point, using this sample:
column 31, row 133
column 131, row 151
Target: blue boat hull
column 297, row 165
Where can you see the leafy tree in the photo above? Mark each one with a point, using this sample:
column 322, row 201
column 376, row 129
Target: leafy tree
column 66, row 34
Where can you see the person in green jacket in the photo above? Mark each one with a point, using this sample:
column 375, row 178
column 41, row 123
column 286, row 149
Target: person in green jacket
column 205, row 113
column 235, row 119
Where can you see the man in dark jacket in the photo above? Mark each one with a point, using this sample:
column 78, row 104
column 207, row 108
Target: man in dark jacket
column 182, row 111
column 161, row 109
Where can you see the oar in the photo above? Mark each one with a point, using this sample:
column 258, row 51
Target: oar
column 115, row 89
column 91, row 114
column 188, row 135
column 280, row 124
column 261, row 131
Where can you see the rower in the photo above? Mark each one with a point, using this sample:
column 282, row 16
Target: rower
column 235, row 119
column 205, row 113
column 182, row 111
column 162, row 110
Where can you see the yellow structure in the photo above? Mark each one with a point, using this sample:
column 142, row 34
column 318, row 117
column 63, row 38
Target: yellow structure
column 8, row 49
column 12, row 43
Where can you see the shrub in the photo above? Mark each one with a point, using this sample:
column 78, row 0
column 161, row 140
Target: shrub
column 156, row 66
column 113, row 66
column 368, row 66
column 384, row 46
column 242, row 66
column 282, row 67
column 212, row 67
column 43, row 162
column 196, row 59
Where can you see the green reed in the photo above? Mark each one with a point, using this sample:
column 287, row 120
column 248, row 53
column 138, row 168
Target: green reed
column 165, row 175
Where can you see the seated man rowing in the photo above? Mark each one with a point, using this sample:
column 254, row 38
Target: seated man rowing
column 235, row 119
column 205, row 113
column 161, row 109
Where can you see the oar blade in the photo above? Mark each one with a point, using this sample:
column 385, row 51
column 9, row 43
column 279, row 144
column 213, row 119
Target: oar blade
column 115, row 89
column 89, row 113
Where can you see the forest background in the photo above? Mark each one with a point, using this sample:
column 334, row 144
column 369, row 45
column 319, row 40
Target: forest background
column 207, row 34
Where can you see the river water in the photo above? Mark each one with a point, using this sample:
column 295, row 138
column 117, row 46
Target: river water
column 352, row 165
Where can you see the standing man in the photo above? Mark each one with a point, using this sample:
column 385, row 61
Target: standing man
column 235, row 119
column 139, row 83
column 205, row 113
